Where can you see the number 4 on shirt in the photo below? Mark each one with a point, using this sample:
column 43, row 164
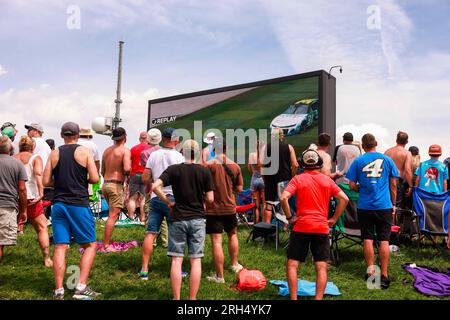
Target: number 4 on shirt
column 374, row 168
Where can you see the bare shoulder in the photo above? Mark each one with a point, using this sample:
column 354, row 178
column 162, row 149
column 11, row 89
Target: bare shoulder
column 82, row 153
column 388, row 151
column 54, row 155
column 107, row 151
column 82, row 149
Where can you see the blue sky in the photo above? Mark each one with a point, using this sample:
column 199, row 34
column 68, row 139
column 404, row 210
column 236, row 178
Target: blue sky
column 395, row 77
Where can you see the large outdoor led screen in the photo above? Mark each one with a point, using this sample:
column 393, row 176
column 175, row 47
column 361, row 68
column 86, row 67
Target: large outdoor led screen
column 296, row 104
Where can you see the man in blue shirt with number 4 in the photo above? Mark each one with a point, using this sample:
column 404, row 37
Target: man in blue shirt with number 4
column 374, row 176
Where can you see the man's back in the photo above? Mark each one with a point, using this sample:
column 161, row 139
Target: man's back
column 224, row 200
column 327, row 165
column 146, row 154
column 344, row 156
column 160, row 160
column 402, row 158
column 283, row 158
column 113, row 160
column 136, row 152
column 373, row 171
column 42, row 149
column 69, row 169
column 11, row 171
column 313, row 190
column 190, row 182
column 432, row 174
column 89, row 144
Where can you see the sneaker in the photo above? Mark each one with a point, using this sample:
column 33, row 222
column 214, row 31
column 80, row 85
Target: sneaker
column 215, row 279
column 143, row 275
column 86, row 294
column 237, row 267
column 58, row 296
column 385, row 282
column 184, row 274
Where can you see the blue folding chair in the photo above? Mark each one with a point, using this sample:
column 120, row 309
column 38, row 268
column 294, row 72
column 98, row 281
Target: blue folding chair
column 432, row 211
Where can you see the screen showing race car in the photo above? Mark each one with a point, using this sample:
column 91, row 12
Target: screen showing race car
column 292, row 104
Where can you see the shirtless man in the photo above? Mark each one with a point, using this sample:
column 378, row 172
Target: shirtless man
column 322, row 150
column 116, row 165
column 403, row 161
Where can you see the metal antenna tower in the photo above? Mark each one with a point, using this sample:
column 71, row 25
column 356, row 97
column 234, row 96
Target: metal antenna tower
column 118, row 100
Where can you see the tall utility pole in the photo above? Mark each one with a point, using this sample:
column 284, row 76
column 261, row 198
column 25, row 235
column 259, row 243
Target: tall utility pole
column 118, row 100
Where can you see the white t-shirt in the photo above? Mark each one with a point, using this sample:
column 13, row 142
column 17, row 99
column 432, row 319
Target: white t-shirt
column 91, row 146
column 345, row 155
column 42, row 149
column 159, row 161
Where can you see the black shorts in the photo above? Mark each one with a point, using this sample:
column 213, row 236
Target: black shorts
column 375, row 224
column 402, row 188
column 136, row 185
column 300, row 243
column 217, row 224
column 270, row 190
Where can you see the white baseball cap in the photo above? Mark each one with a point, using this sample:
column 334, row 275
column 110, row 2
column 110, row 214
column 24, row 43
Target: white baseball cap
column 154, row 136
column 209, row 138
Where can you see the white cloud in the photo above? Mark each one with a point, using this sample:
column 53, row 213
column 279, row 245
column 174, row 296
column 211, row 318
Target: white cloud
column 381, row 133
column 2, row 70
column 51, row 109
column 384, row 87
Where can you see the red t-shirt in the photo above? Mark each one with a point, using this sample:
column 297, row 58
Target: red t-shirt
column 136, row 158
column 313, row 191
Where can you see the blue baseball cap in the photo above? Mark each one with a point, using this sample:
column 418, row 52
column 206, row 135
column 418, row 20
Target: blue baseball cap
column 168, row 133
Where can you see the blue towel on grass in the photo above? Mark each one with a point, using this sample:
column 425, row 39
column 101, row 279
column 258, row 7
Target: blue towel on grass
column 305, row 288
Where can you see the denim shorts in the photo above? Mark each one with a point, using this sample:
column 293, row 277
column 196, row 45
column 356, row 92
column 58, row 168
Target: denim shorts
column 190, row 233
column 257, row 183
column 157, row 211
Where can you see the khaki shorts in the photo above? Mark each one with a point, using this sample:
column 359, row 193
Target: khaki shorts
column 113, row 193
column 8, row 226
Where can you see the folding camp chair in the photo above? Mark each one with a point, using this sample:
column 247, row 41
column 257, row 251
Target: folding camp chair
column 408, row 222
column 347, row 226
column 245, row 208
column 269, row 231
column 433, row 212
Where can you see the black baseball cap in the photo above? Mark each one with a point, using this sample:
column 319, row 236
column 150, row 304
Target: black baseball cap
column 348, row 136
column 70, row 129
column 311, row 160
column 118, row 134
column 414, row 150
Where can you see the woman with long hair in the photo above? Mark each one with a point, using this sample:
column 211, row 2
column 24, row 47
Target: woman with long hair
column 257, row 182
column 35, row 193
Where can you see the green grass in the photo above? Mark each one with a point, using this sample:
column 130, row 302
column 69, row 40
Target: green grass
column 22, row 275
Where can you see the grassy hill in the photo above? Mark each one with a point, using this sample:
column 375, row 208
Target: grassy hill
column 22, row 275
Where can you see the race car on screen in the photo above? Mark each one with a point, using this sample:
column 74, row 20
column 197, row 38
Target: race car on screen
column 298, row 117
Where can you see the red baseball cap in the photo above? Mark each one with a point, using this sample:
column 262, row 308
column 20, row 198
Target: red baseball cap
column 435, row 150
